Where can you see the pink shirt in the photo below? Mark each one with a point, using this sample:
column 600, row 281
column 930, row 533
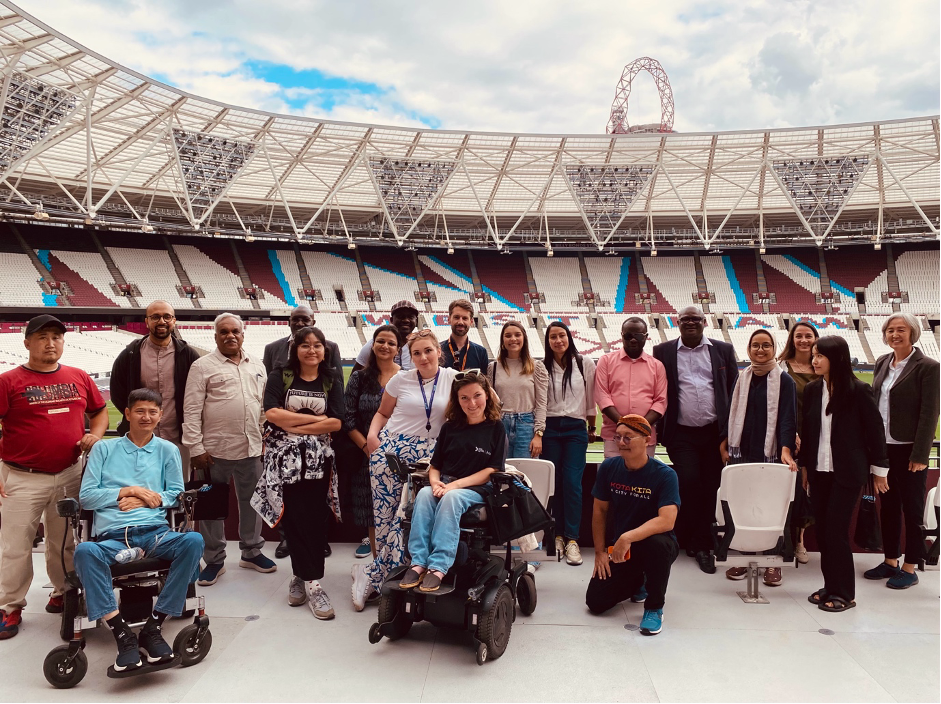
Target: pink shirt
column 631, row 386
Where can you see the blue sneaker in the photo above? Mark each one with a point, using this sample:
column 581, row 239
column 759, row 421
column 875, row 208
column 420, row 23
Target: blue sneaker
column 902, row 580
column 210, row 575
column 364, row 549
column 259, row 563
column 640, row 595
column 652, row 622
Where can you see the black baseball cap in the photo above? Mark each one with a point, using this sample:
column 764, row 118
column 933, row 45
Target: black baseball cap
column 44, row 321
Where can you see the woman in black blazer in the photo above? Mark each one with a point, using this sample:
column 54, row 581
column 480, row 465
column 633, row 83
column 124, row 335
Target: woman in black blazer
column 842, row 441
column 906, row 390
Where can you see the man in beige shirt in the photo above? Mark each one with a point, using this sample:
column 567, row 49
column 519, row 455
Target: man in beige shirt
column 222, row 421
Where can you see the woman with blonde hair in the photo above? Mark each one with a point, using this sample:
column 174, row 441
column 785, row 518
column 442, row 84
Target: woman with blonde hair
column 522, row 384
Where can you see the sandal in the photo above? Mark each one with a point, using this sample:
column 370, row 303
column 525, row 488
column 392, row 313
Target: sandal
column 431, row 583
column 412, row 578
column 818, row 596
column 837, row 604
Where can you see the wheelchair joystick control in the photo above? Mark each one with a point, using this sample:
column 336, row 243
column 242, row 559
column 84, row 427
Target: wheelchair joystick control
column 129, row 555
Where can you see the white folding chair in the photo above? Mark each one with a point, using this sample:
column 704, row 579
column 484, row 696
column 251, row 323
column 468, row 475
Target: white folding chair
column 930, row 522
column 541, row 475
column 753, row 511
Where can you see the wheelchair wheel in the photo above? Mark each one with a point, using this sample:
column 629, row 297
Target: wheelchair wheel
column 494, row 628
column 185, row 645
column 390, row 606
column 59, row 672
column 70, row 607
column 526, row 594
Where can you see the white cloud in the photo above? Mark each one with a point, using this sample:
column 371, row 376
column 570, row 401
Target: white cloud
column 547, row 66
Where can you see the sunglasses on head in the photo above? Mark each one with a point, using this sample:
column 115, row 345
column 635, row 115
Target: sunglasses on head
column 424, row 332
column 467, row 374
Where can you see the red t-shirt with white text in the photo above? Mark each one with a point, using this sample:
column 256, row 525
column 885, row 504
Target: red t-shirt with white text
column 43, row 416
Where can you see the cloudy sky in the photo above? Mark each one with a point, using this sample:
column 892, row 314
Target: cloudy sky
column 519, row 65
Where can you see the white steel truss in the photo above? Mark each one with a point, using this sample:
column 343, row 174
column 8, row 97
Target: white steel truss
column 408, row 188
column 605, row 194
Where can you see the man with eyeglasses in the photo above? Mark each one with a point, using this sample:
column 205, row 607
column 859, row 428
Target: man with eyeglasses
column 161, row 362
column 627, row 381
column 642, row 495
column 701, row 374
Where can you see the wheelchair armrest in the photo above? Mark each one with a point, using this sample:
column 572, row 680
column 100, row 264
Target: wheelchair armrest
column 68, row 507
column 418, row 480
column 502, row 479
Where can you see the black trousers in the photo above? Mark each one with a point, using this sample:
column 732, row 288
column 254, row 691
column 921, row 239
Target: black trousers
column 906, row 495
column 651, row 557
column 694, row 453
column 833, row 510
column 305, row 525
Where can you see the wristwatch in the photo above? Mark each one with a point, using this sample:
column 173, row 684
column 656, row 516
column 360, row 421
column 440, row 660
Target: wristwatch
column 539, row 433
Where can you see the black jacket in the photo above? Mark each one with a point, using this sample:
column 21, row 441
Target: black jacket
column 724, row 374
column 125, row 377
column 913, row 402
column 276, row 354
column 857, row 437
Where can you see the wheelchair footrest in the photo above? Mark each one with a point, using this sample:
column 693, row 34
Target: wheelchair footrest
column 145, row 669
column 440, row 591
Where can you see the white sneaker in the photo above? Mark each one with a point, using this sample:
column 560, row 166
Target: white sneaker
column 319, row 602
column 361, row 587
column 573, row 555
column 297, row 594
column 800, row 552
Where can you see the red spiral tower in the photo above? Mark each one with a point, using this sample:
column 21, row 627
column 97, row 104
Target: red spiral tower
column 617, row 123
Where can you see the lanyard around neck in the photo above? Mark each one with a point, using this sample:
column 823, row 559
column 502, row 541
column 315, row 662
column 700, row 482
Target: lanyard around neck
column 455, row 353
column 428, row 404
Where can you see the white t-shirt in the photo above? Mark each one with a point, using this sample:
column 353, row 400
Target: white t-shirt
column 403, row 358
column 409, row 417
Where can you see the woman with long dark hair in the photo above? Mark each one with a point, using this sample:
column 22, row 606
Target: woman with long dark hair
column 303, row 405
column 570, row 426
column 842, row 442
column 797, row 363
column 521, row 383
column 363, row 394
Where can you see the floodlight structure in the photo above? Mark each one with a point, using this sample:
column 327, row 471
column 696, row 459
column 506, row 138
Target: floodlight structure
column 32, row 109
column 617, row 123
column 408, row 188
column 605, row 193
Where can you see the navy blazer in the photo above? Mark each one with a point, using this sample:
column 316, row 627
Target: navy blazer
column 724, row 374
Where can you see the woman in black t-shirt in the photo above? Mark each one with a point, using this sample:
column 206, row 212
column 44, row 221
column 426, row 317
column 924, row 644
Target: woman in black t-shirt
column 303, row 405
column 471, row 447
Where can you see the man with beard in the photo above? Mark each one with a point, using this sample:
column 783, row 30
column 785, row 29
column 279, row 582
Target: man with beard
column 628, row 381
column 276, row 353
column 459, row 352
column 404, row 316
column 160, row 362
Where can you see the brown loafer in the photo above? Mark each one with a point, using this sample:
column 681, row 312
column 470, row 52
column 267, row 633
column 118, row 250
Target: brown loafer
column 411, row 579
column 773, row 576
column 431, row 582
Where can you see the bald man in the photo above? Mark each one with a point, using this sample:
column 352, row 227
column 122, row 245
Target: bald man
column 276, row 353
column 160, row 362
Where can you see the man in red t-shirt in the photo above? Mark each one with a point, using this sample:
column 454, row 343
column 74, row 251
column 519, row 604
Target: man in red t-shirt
column 42, row 408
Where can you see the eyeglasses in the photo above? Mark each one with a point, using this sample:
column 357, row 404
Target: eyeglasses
column 424, row 332
column 468, row 373
column 691, row 319
column 156, row 317
column 625, row 439
column 762, row 346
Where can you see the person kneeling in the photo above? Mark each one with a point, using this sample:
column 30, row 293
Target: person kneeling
column 130, row 483
column 645, row 496
column 471, row 447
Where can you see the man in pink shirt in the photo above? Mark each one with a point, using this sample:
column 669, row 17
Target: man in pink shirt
column 628, row 381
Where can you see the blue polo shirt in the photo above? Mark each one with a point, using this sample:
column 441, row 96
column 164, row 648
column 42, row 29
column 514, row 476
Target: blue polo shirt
column 115, row 464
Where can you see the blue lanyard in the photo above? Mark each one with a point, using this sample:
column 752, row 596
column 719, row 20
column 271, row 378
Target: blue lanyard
column 424, row 398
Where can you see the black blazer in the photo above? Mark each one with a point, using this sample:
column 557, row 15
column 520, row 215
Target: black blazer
column 913, row 402
column 857, row 437
column 724, row 374
column 276, row 354
column 125, row 377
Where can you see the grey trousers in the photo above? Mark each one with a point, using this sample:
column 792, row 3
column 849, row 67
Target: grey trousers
column 245, row 473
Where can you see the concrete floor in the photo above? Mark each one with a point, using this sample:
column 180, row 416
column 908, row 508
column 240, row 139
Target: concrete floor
column 713, row 647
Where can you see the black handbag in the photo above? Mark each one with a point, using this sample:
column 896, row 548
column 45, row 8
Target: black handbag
column 212, row 499
column 868, row 535
column 514, row 512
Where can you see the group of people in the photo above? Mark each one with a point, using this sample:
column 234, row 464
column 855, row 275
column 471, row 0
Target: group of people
column 281, row 430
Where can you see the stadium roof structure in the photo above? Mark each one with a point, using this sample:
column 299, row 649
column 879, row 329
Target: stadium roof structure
column 86, row 141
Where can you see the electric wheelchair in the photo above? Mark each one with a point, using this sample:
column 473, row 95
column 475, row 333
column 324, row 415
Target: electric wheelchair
column 138, row 583
column 480, row 591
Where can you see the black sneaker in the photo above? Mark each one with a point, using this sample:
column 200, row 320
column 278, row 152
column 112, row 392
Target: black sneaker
column 158, row 650
column 128, row 652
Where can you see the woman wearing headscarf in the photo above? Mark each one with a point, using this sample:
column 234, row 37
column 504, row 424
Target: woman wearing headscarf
column 762, row 421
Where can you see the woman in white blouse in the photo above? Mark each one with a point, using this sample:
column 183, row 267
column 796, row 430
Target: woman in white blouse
column 570, row 426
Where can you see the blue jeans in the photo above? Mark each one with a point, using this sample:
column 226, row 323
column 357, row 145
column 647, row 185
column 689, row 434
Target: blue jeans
column 93, row 563
column 520, row 429
column 565, row 444
column 436, row 527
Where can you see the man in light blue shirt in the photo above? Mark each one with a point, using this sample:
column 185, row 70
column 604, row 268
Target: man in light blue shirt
column 130, row 483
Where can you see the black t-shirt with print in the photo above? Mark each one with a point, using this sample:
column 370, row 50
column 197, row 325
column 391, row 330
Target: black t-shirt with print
column 635, row 496
column 463, row 450
column 305, row 396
